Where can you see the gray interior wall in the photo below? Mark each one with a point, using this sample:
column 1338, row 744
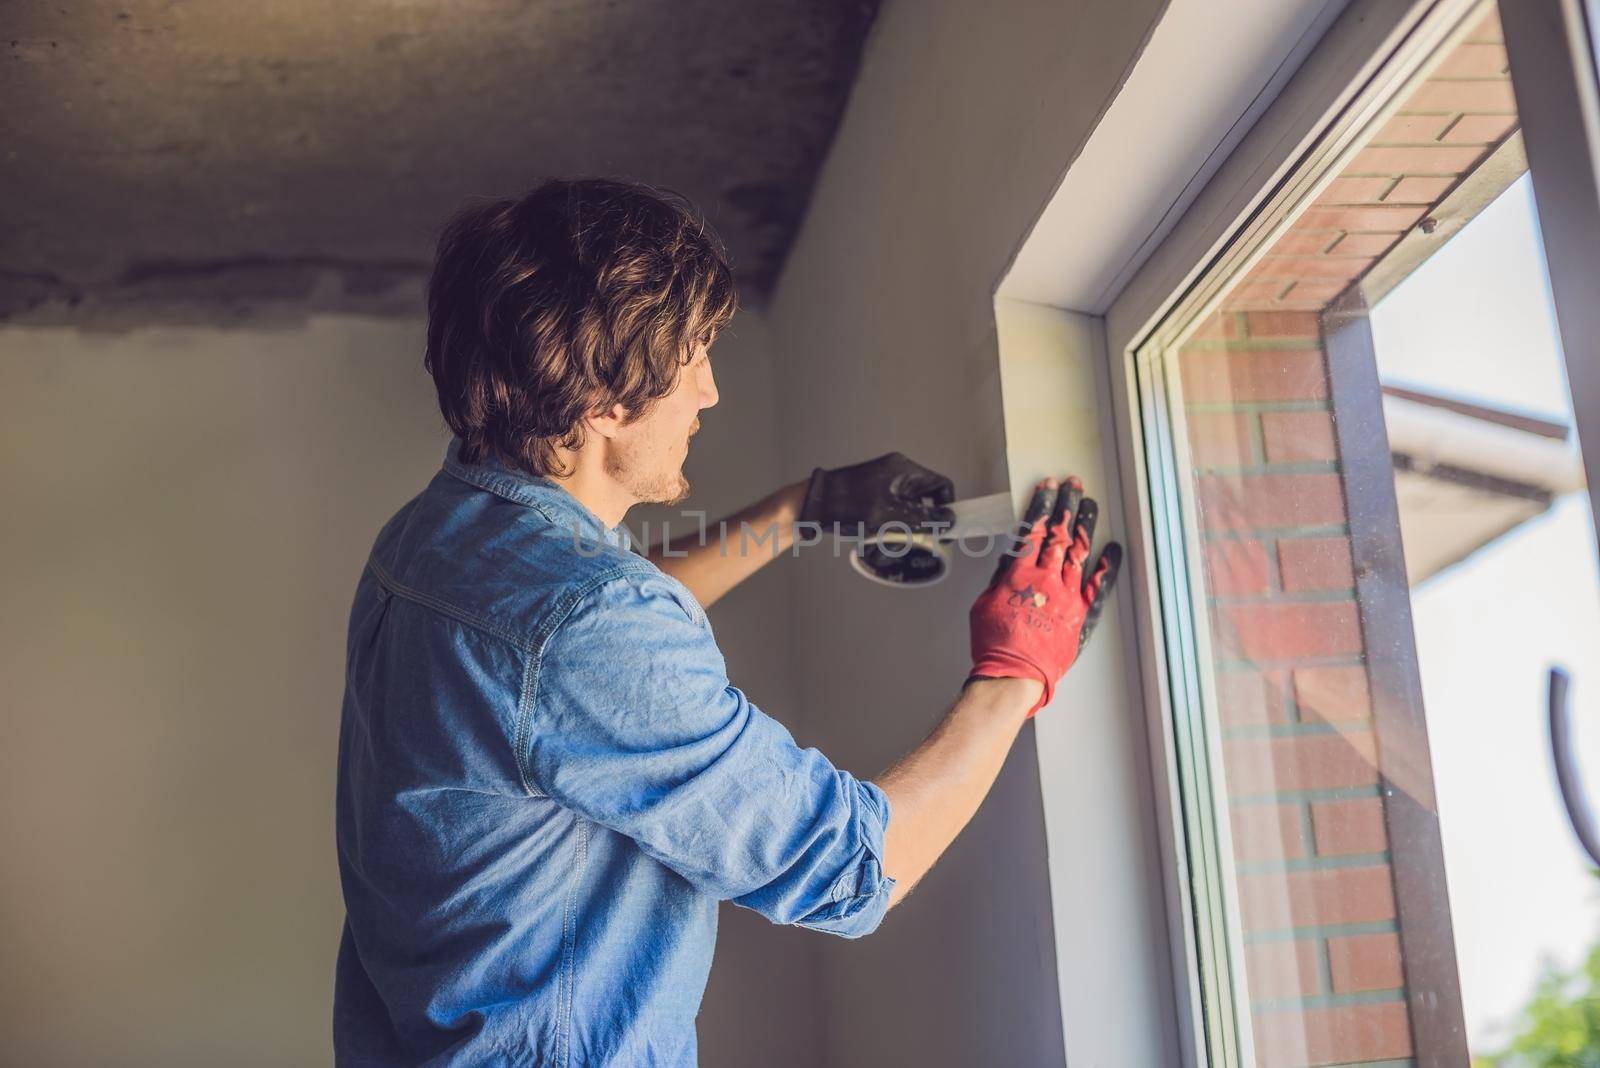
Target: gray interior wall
column 963, row 118
column 761, row 1004
column 185, row 514
column 186, row 511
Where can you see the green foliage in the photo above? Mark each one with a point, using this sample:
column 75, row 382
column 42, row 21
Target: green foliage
column 1560, row 1026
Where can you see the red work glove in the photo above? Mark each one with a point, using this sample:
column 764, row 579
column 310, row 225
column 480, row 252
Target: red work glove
column 1039, row 610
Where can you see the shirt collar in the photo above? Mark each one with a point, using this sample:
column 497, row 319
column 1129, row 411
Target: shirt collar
column 542, row 494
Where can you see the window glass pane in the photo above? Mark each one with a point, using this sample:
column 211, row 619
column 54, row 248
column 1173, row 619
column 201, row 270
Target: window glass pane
column 1384, row 524
column 1500, row 553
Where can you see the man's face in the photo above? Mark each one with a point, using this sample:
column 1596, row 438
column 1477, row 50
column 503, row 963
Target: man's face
column 647, row 455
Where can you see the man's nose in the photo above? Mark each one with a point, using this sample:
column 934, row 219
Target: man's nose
column 708, row 388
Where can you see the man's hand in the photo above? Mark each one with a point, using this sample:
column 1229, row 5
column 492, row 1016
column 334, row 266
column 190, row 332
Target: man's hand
column 890, row 489
column 1027, row 628
column 1039, row 609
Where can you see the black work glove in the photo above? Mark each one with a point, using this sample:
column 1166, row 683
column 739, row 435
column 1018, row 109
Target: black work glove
column 890, row 489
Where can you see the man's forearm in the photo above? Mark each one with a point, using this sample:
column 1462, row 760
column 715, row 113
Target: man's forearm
column 934, row 790
column 718, row 565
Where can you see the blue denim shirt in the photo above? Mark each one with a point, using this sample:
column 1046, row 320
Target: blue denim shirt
column 546, row 785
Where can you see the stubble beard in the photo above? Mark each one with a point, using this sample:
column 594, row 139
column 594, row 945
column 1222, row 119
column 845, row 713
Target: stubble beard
column 676, row 495
column 649, row 479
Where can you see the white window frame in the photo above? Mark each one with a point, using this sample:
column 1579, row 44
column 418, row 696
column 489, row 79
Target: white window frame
column 1354, row 73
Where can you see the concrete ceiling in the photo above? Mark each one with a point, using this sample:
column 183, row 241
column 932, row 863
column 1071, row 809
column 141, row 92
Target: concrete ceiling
column 196, row 161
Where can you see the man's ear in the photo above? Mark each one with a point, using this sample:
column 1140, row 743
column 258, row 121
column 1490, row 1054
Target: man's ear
column 608, row 422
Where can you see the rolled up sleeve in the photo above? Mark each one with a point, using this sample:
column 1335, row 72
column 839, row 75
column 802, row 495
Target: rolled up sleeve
column 635, row 726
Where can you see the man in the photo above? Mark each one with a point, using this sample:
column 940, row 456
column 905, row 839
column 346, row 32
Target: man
column 546, row 781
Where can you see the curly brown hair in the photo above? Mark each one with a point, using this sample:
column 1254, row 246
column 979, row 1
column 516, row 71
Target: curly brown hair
column 546, row 309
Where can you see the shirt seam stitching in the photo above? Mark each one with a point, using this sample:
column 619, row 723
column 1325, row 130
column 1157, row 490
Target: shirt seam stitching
column 564, row 1039
column 532, row 647
column 571, row 939
column 528, row 699
column 504, row 487
column 461, row 615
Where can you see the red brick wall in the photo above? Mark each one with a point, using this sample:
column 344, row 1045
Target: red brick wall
column 1315, row 886
column 1448, row 125
column 1316, row 890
